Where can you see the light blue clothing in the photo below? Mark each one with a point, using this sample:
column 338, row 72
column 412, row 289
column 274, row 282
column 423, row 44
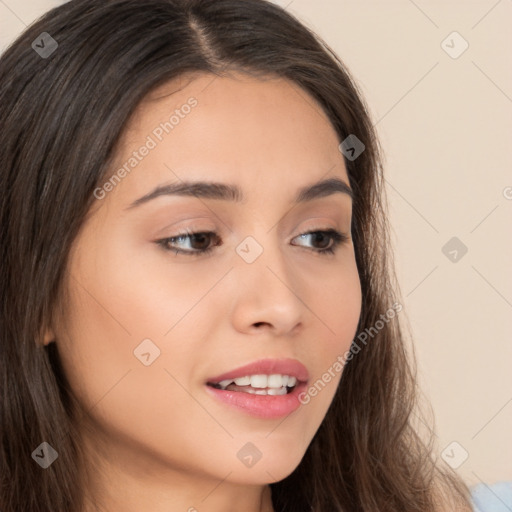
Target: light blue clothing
column 492, row 498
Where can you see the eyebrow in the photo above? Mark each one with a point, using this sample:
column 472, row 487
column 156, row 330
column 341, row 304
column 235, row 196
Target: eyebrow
column 227, row 192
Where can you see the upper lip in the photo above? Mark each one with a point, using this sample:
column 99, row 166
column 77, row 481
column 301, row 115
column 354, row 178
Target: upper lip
column 290, row 367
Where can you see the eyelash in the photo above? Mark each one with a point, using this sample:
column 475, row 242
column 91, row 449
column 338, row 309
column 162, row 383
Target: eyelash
column 337, row 237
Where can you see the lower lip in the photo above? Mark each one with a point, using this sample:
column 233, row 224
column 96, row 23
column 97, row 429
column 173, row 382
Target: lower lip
column 261, row 406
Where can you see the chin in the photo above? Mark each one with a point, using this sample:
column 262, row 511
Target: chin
column 269, row 469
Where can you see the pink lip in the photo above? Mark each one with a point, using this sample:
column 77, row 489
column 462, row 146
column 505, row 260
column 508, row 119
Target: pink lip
column 263, row 406
column 290, row 367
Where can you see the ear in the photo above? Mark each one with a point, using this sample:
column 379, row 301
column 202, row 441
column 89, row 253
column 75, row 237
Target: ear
column 49, row 336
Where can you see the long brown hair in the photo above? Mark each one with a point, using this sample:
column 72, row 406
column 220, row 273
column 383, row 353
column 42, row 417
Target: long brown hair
column 61, row 115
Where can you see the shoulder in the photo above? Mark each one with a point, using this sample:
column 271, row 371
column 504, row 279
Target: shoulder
column 495, row 497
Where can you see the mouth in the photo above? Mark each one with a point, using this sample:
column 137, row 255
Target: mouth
column 268, row 388
column 259, row 384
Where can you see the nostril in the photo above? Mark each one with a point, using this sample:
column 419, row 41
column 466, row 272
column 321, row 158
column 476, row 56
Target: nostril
column 258, row 324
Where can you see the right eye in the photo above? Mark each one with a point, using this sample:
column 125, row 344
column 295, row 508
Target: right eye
column 198, row 238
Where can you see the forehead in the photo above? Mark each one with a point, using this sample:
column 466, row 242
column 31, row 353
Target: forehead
column 258, row 132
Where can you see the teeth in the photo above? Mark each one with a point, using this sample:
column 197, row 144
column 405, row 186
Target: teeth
column 276, row 383
column 259, row 381
column 280, row 391
column 243, row 381
column 272, row 391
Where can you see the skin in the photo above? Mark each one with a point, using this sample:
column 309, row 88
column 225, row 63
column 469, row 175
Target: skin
column 160, row 442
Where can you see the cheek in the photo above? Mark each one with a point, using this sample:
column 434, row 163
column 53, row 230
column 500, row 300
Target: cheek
column 119, row 306
column 113, row 308
column 338, row 309
column 148, row 407
column 336, row 303
column 152, row 292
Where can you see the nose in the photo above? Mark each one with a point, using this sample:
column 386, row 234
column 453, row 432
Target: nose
column 267, row 295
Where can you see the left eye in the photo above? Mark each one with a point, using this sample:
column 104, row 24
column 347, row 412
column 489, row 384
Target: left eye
column 200, row 241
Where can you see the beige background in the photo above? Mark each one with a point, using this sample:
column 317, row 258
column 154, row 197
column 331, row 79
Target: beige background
column 446, row 128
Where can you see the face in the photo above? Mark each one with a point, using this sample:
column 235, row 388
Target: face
column 158, row 316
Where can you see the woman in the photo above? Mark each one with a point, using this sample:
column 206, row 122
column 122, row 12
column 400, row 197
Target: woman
column 198, row 302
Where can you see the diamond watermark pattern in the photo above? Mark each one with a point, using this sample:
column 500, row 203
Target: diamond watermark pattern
column 249, row 455
column 249, row 249
column 44, row 45
column 351, row 147
column 45, row 455
column 146, row 352
column 454, row 249
column 454, row 45
column 454, row 455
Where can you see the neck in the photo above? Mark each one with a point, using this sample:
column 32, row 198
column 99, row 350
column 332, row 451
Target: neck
column 116, row 479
